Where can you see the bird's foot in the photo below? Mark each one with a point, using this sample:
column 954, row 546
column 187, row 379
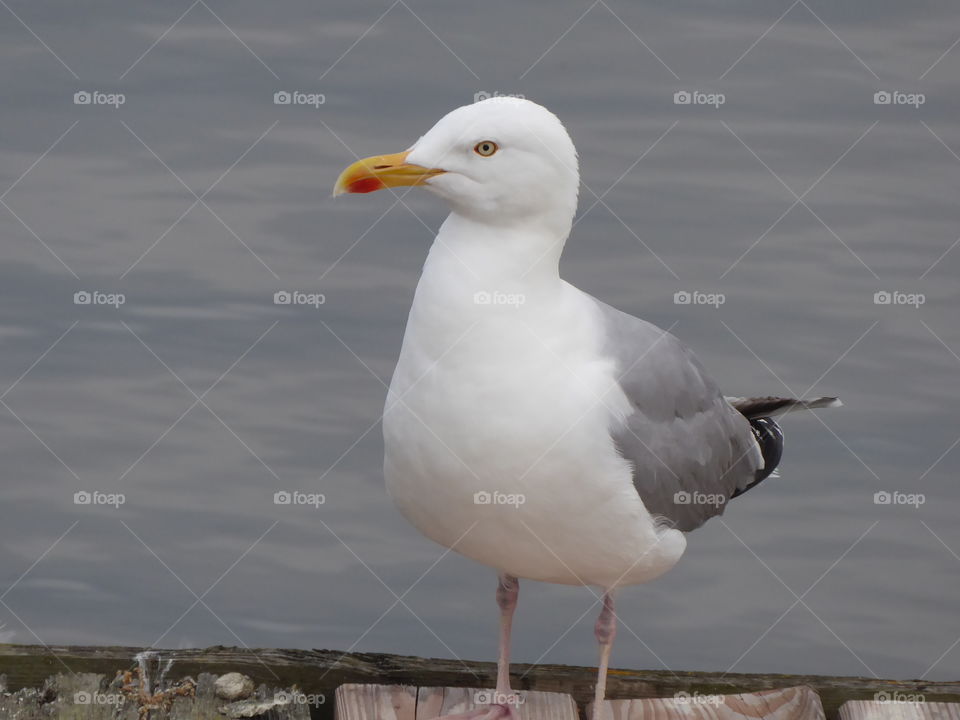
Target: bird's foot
column 500, row 711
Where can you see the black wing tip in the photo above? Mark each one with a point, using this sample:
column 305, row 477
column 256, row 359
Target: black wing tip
column 769, row 437
column 758, row 407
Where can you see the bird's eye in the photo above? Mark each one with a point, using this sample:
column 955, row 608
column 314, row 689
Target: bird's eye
column 485, row 148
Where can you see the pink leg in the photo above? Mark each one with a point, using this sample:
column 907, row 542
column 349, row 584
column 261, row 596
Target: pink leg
column 606, row 631
column 507, row 592
column 504, row 706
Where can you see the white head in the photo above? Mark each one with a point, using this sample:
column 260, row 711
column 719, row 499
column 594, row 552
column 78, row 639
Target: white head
column 500, row 161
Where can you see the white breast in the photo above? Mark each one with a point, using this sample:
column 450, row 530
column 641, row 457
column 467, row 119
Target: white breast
column 496, row 432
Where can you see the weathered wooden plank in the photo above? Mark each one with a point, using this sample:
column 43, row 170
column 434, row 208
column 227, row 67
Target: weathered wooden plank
column 393, row 702
column 322, row 671
column 793, row 703
column 530, row 704
column 899, row 706
column 376, row 702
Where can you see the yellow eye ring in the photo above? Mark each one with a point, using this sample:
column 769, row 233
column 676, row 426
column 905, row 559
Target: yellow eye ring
column 485, row 148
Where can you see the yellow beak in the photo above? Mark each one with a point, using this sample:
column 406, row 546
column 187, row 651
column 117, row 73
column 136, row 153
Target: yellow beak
column 382, row 171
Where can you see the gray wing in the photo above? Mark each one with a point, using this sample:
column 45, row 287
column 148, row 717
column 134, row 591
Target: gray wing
column 690, row 449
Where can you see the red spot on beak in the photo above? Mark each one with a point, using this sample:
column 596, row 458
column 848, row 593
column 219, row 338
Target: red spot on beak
column 365, row 185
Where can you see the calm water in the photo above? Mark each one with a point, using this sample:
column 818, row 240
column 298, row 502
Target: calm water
column 198, row 398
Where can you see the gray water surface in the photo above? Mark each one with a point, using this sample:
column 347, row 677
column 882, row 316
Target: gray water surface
column 199, row 398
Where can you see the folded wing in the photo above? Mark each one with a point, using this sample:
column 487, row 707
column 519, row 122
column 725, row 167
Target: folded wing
column 690, row 449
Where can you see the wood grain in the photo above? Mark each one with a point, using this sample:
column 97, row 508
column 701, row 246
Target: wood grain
column 898, row 707
column 375, row 702
column 323, row 671
column 392, row 702
column 793, row 703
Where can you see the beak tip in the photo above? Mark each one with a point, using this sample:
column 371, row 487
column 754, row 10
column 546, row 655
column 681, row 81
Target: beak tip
column 340, row 186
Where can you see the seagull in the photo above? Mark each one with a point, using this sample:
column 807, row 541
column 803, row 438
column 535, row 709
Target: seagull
column 528, row 425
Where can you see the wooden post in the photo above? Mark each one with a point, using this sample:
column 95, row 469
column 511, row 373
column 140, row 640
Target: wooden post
column 393, row 702
column 323, row 671
column 794, row 703
column 899, row 706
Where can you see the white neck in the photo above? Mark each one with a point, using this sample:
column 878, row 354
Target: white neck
column 490, row 280
column 499, row 257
